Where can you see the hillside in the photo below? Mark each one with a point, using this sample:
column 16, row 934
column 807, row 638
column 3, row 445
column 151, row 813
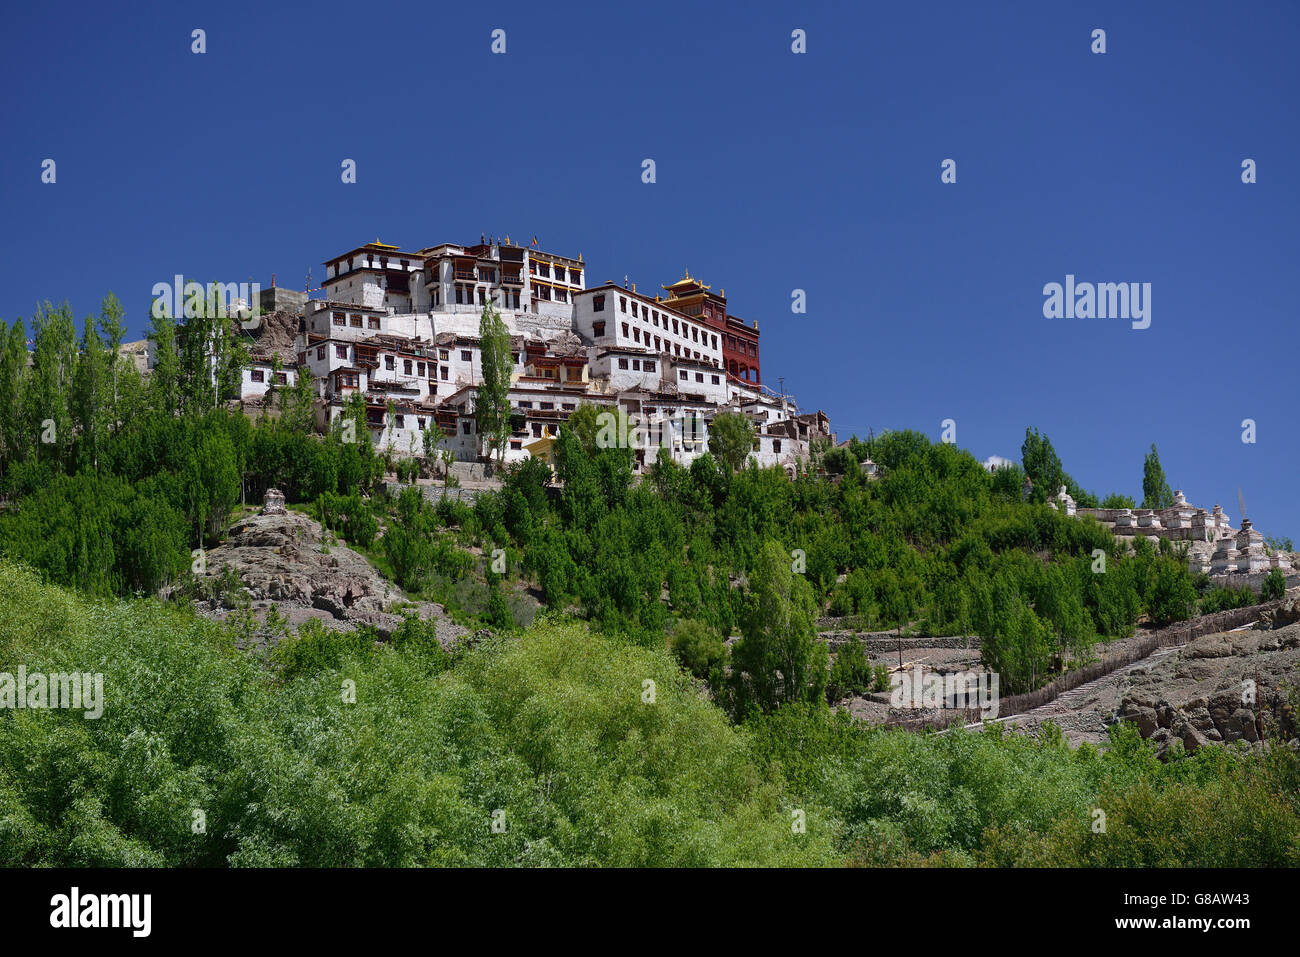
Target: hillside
column 552, row 735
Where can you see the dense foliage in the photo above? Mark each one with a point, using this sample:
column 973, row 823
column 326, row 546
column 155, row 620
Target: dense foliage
column 547, row 750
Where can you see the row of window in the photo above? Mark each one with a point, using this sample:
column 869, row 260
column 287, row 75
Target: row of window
column 368, row 261
column 354, row 320
column 699, row 377
column 465, row 296
column 742, row 345
column 637, row 366
column 544, row 406
column 545, row 293
column 652, row 316
column 543, row 270
column 259, row 375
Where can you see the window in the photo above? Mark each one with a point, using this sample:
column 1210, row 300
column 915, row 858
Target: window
column 567, row 406
column 547, row 405
column 389, row 363
column 259, row 375
column 466, row 355
column 419, row 369
column 636, row 335
column 526, row 404
column 635, row 314
column 281, row 378
column 302, row 358
column 715, row 341
column 598, row 328
column 674, row 327
column 419, row 424
column 406, row 366
column 622, row 304
column 776, row 445
column 339, row 318
column 682, row 375
column 649, row 365
column 373, row 322
column 466, row 426
column 625, row 329
column 575, row 276
column 442, row 371
column 401, row 421
column 695, row 334
column 516, row 445
column 654, row 314
column 715, row 379
column 340, row 352
column 442, row 354
column 657, row 346
column 597, row 303
column 354, row 321
column 622, row 363
column 699, row 377
column 636, row 365
column 320, row 353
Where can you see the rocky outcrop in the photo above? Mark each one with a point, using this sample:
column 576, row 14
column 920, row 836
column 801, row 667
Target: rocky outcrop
column 1288, row 613
column 281, row 558
column 1220, row 689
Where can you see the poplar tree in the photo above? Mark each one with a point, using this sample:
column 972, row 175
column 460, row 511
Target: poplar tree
column 1155, row 487
column 492, row 403
column 779, row 658
column 1042, row 465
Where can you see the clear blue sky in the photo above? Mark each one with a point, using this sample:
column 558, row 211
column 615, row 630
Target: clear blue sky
column 775, row 171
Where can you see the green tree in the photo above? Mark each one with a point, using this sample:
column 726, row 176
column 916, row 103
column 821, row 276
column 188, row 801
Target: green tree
column 165, row 376
column 583, row 422
column 778, row 658
column 1116, row 500
column 731, row 439
column 1274, row 586
column 1042, row 465
column 1155, row 488
column 492, row 402
column 699, row 648
column 15, row 440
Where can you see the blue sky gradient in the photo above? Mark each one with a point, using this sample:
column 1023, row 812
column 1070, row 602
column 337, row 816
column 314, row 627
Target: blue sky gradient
column 775, row 171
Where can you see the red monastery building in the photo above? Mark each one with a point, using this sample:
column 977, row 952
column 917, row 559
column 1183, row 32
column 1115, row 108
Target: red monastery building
column 739, row 341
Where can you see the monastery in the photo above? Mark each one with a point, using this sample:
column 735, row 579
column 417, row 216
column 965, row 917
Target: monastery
column 401, row 329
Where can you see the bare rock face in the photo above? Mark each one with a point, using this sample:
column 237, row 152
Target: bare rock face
column 281, row 559
column 1287, row 614
column 1220, row 689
